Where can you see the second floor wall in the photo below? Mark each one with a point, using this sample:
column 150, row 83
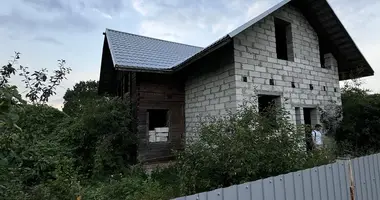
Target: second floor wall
column 281, row 54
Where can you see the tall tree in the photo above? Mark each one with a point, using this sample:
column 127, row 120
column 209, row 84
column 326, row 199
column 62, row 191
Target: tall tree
column 39, row 84
column 82, row 93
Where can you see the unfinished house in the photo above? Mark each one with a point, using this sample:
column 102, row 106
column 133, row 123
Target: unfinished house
column 294, row 54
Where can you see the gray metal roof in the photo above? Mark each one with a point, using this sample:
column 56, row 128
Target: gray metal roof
column 135, row 51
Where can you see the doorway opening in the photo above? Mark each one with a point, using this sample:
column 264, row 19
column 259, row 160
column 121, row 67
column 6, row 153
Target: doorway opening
column 310, row 120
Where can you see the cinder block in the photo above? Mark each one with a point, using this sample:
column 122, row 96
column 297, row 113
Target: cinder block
column 288, row 68
column 254, row 74
column 247, row 55
column 265, row 75
column 162, row 130
column 261, row 57
column 248, row 67
column 152, row 133
column 219, row 106
column 272, row 60
column 277, row 77
column 225, row 99
column 272, row 71
column 260, row 69
column 241, row 60
column 162, row 134
column 161, row 139
column 240, row 48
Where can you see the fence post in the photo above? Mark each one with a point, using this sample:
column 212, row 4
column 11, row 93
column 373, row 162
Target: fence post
column 352, row 187
column 350, row 175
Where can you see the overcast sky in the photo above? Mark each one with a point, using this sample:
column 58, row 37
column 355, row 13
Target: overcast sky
column 47, row 30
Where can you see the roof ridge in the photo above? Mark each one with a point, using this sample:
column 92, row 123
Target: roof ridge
column 107, row 29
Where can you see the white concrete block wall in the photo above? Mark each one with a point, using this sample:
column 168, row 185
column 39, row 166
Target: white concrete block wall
column 256, row 58
column 209, row 94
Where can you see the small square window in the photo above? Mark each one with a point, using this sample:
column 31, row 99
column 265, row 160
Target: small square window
column 335, row 90
column 245, row 79
column 311, row 86
column 271, row 81
column 324, row 88
column 293, row 85
column 158, row 125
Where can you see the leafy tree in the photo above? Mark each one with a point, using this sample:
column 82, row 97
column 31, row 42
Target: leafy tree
column 83, row 93
column 358, row 132
column 40, row 87
column 10, row 98
column 33, row 156
column 355, row 124
column 102, row 138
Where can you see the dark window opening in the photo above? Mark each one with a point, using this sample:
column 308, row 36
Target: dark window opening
column 271, row 82
column 284, row 43
column 307, row 116
column 158, row 119
column 245, row 79
column 324, row 88
column 311, row 86
column 293, row 85
column 322, row 53
column 268, row 101
column 158, row 125
column 335, row 90
column 267, row 106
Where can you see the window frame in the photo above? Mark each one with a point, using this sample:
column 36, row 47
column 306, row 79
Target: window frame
column 168, row 124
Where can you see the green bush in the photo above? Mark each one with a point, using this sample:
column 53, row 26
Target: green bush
column 101, row 138
column 244, row 147
column 359, row 130
column 53, row 155
column 33, row 155
column 135, row 184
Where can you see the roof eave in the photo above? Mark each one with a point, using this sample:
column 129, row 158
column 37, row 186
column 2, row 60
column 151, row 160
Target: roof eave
column 141, row 69
column 368, row 69
column 356, row 73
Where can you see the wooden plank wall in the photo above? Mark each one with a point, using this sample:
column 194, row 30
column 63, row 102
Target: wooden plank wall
column 159, row 91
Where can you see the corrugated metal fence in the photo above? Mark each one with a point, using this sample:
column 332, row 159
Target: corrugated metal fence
column 328, row 182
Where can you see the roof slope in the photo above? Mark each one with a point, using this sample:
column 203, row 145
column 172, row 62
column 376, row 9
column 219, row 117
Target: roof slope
column 135, row 51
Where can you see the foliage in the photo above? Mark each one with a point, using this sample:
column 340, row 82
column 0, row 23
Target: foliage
column 33, row 156
column 359, row 130
column 40, row 87
column 243, row 147
column 101, row 137
column 54, row 152
column 9, row 99
column 82, row 93
column 135, row 184
column 354, row 124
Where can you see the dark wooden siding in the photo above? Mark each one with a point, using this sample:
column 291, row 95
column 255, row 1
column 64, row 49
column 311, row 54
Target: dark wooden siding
column 107, row 83
column 159, row 91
